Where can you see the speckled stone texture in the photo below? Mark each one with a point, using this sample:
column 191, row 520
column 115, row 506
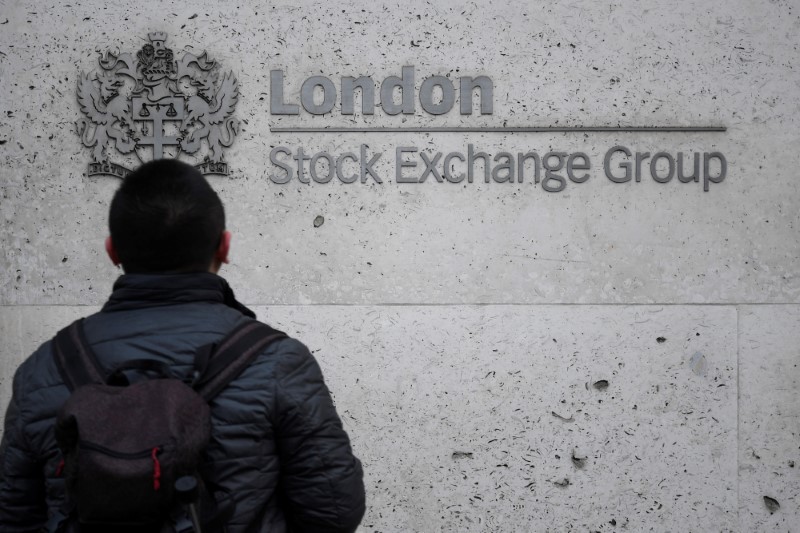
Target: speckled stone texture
column 769, row 418
column 467, row 329
column 535, row 418
column 654, row 63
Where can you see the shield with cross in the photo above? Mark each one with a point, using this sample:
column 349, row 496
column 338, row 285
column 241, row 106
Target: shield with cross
column 158, row 125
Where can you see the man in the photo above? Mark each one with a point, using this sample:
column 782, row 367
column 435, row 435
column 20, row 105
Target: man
column 278, row 452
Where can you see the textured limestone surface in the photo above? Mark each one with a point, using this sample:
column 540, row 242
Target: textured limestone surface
column 520, row 418
column 584, row 418
column 769, row 419
column 505, row 358
column 585, row 63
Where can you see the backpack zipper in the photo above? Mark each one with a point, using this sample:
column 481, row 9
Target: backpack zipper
column 114, row 453
column 152, row 453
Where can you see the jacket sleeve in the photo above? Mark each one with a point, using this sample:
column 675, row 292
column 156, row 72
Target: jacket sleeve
column 23, row 507
column 321, row 484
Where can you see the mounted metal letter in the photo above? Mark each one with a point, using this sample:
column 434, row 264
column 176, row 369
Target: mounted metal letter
column 153, row 106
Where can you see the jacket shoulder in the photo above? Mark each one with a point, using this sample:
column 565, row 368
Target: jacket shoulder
column 38, row 392
column 290, row 361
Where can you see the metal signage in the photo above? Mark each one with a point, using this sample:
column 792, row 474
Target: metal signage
column 153, row 105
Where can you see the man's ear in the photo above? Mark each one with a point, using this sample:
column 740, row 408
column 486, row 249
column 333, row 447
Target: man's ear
column 112, row 252
column 224, row 248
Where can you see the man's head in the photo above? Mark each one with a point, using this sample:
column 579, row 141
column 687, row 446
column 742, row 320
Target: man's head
column 165, row 217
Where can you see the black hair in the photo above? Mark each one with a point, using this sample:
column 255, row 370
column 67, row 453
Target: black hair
column 165, row 217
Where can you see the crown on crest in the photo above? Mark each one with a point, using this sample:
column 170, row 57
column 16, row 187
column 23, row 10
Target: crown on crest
column 157, row 36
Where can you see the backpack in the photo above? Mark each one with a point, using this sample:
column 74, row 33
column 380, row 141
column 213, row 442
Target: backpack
column 126, row 445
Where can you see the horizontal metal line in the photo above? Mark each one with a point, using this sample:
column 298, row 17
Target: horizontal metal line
column 545, row 129
column 517, row 304
column 463, row 304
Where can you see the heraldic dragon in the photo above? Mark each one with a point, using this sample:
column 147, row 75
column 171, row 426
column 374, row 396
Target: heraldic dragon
column 205, row 104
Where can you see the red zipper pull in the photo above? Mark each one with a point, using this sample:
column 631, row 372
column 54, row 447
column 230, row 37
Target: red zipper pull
column 156, row 469
column 60, row 468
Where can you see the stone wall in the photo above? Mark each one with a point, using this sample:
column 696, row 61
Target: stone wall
column 612, row 356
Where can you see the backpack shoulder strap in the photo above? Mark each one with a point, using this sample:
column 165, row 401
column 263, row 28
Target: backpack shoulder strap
column 74, row 358
column 232, row 355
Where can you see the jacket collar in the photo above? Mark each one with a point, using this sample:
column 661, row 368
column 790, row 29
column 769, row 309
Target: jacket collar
column 139, row 291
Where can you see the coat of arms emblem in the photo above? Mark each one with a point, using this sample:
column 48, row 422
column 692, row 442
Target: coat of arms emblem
column 153, row 105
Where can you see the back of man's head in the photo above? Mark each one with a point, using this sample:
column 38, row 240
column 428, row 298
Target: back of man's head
column 165, row 217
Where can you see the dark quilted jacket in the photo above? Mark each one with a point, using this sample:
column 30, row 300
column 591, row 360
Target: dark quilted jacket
column 277, row 449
